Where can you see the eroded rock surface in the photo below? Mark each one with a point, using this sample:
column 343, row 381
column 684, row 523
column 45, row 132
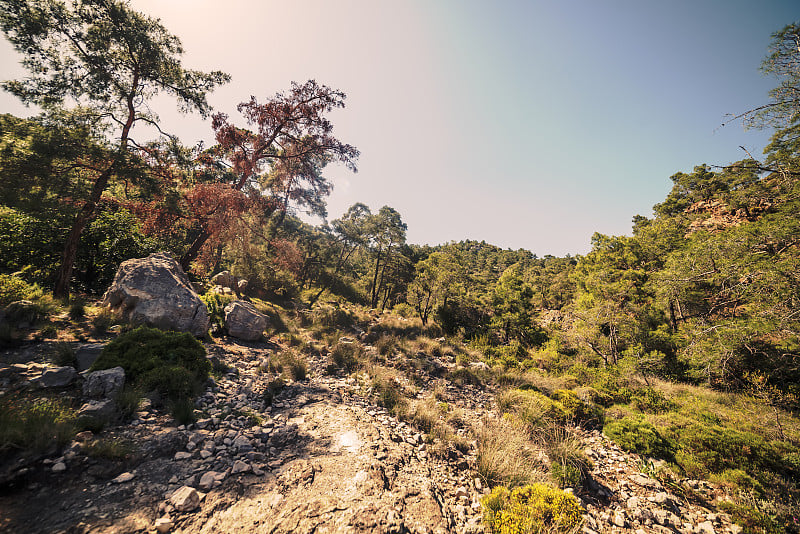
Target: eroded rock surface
column 155, row 291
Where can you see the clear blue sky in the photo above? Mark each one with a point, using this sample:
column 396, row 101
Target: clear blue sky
column 528, row 124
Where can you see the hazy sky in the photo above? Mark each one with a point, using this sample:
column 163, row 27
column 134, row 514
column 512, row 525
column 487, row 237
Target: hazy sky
column 528, row 124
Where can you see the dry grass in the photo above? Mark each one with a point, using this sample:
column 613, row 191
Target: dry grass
column 506, row 456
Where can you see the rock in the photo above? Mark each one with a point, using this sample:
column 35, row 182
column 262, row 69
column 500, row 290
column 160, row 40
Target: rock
column 244, row 321
column 182, row 455
column 207, row 480
column 706, row 527
column 155, row 291
column 618, row 519
column 240, row 467
column 124, row 477
column 164, row 524
column 59, row 377
column 59, row 467
column 98, row 413
column 86, row 355
column 104, row 384
column 185, row 499
column 224, row 279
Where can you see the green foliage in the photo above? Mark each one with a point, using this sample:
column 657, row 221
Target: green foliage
column 12, row 288
column 637, row 435
column 104, row 320
column 170, row 363
column 751, row 520
column 34, row 425
column 215, row 303
column 110, row 449
column 538, row 409
column 531, row 509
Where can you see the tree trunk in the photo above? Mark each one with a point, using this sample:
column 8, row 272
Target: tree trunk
column 64, row 275
column 61, row 289
column 194, row 249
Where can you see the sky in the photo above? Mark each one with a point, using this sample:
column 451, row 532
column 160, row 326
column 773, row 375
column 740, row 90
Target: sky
column 528, row 124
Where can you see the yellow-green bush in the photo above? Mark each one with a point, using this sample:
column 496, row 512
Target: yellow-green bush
column 530, row 509
column 12, row 288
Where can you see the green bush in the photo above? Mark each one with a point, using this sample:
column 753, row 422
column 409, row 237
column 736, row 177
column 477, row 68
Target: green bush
column 536, row 508
column 637, row 435
column 649, row 400
column 12, row 288
column 216, row 307
column 170, row 363
column 706, row 449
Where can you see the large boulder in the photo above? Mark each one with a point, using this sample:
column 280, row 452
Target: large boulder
column 155, row 291
column 244, row 321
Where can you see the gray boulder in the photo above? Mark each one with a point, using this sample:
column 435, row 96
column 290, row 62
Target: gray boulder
column 244, row 321
column 86, row 355
column 59, row 377
column 97, row 413
column 104, row 384
column 155, row 291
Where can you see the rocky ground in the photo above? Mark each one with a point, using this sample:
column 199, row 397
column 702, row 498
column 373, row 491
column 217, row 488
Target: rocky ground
column 320, row 457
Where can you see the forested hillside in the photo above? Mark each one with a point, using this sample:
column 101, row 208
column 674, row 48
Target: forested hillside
column 681, row 341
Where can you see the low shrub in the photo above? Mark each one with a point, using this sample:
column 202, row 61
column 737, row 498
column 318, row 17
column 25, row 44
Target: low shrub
column 110, row 449
column 12, row 288
column 215, row 303
column 637, row 435
column 172, row 364
column 77, row 309
column 347, row 356
column 104, row 320
column 649, row 400
column 63, row 354
column 506, row 455
column 535, row 508
column 294, row 364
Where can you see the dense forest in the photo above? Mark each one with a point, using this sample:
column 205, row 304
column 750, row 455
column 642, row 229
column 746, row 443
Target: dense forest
column 705, row 293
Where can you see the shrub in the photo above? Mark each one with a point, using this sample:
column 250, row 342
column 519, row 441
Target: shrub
column 216, row 308
column 751, row 520
column 170, row 363
column 649, row 400
column 705, row 449
column 77, row 309
column 293, row 363
column 576, row 410
column 505, row 455
column 104, row 320
column 110, row 449
column 637, row 435
column 12, row 288
column 63, row 354
column 531, row 509
column 347, row 356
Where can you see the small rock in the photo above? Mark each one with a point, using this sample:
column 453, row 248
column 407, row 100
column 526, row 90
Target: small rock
column 240, row 467
column 182, row 455
column 207, row 480
column 706, row 527
column 59, row 467
column 164, row 524
column 124, row 477
column 185, row 499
